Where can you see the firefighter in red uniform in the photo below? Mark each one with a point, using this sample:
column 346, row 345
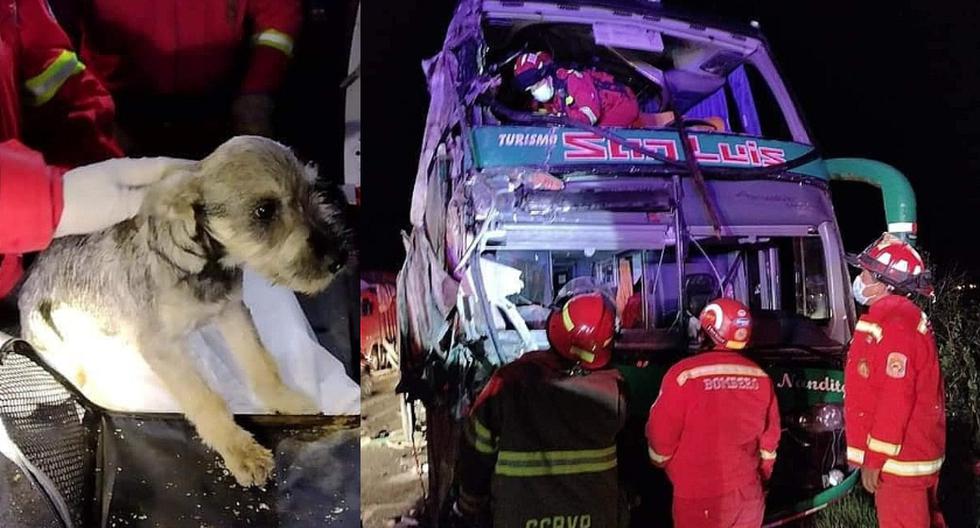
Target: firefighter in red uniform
column 539, row 447
column 591, row 97
column 894, row 409
column 715, row 426
column 47, row 96
column 177, row 64
column 68, row 117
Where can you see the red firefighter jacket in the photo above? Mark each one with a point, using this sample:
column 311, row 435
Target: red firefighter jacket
column 182, row 47
column 540, row 446
column 48, row 97
column 715, row 426
column 592, row 97
column 30, row 206
column 67, row 114
column 894, row 408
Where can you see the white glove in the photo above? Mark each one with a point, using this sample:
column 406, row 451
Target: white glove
column 103, row 194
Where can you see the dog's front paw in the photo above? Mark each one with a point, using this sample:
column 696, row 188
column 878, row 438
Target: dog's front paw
column 249, row 462
column 289, row 401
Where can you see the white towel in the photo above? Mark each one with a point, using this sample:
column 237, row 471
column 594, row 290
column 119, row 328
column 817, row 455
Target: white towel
column 117, row 377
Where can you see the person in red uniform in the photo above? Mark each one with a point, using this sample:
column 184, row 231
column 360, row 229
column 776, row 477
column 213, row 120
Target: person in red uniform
column 715, row 426
column 894, row 409
column 193, row 68
column 591, row 97
column 39, row 201
column 539, row 447
column 50, row 99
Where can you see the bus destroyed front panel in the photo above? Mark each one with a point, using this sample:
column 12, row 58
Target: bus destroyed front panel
column 717, row 191
column 778, row 252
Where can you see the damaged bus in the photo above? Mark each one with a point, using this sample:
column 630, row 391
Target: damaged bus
column 722, row 193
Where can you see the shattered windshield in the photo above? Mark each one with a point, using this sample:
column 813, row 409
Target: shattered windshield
column 782, row 279
column 713, row 87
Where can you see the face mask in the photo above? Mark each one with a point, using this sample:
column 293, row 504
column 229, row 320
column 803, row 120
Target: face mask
column 857, row 288
column 543, row 92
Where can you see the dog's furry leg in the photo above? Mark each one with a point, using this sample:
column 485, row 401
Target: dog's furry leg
column 260, row 367
column 249, row 462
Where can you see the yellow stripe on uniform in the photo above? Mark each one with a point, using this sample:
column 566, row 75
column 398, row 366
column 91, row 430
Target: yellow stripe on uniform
column 481, row 437
column 590, row 114
column 657, row 457
column 547, row 463
column 912, row 469
column 720, row 370
column 870, row 328
column 46, row 84
column 275, row 39
column 767, row 455
column 882, row 447
column 900, row 468
column 923, row 324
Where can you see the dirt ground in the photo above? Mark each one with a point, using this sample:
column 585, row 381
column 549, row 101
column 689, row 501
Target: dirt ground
column 390, row 481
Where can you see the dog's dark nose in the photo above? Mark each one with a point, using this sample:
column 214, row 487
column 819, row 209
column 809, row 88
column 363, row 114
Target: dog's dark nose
column 327, row 247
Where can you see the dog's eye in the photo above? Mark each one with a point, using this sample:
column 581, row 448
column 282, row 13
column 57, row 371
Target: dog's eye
column 265, row 210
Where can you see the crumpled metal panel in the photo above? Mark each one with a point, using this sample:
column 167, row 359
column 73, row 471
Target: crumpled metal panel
column 426, row 294
column 445, row 108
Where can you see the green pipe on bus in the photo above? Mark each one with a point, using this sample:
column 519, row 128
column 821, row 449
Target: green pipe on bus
column 897, row 193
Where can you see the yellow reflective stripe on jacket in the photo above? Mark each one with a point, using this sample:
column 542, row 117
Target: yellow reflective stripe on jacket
column 546, row 463
column 870, row 328
column 901, row 468
column 923, row 324
column 719, row 370
column 767, row 455
column 275, row 39
column 46, row 84
column 912, row 468
column 882, row 447
column 657, row 457
column 590, row 114
column 480, row 437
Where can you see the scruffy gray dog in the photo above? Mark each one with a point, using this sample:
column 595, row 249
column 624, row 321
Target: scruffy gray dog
column 178, row 265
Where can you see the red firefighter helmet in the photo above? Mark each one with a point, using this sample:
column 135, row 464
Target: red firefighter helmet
column 583, row 329
column 531, row 67
column 895, row 263
column 727, row 322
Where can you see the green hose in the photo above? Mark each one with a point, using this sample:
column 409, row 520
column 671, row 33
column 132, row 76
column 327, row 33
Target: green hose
column 896, row 191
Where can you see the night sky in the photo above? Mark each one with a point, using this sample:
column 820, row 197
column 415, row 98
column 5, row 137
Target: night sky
column 899, row 85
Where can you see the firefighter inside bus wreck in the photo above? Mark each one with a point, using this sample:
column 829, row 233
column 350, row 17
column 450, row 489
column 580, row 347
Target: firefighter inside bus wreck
column 590, row 96
column 594, row 96
column 540, row 443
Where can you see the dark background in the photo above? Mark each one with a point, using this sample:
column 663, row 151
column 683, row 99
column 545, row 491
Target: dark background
column 896, row 84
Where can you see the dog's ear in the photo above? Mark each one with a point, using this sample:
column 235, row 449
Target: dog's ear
column 174, row 197
column 173, row 208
